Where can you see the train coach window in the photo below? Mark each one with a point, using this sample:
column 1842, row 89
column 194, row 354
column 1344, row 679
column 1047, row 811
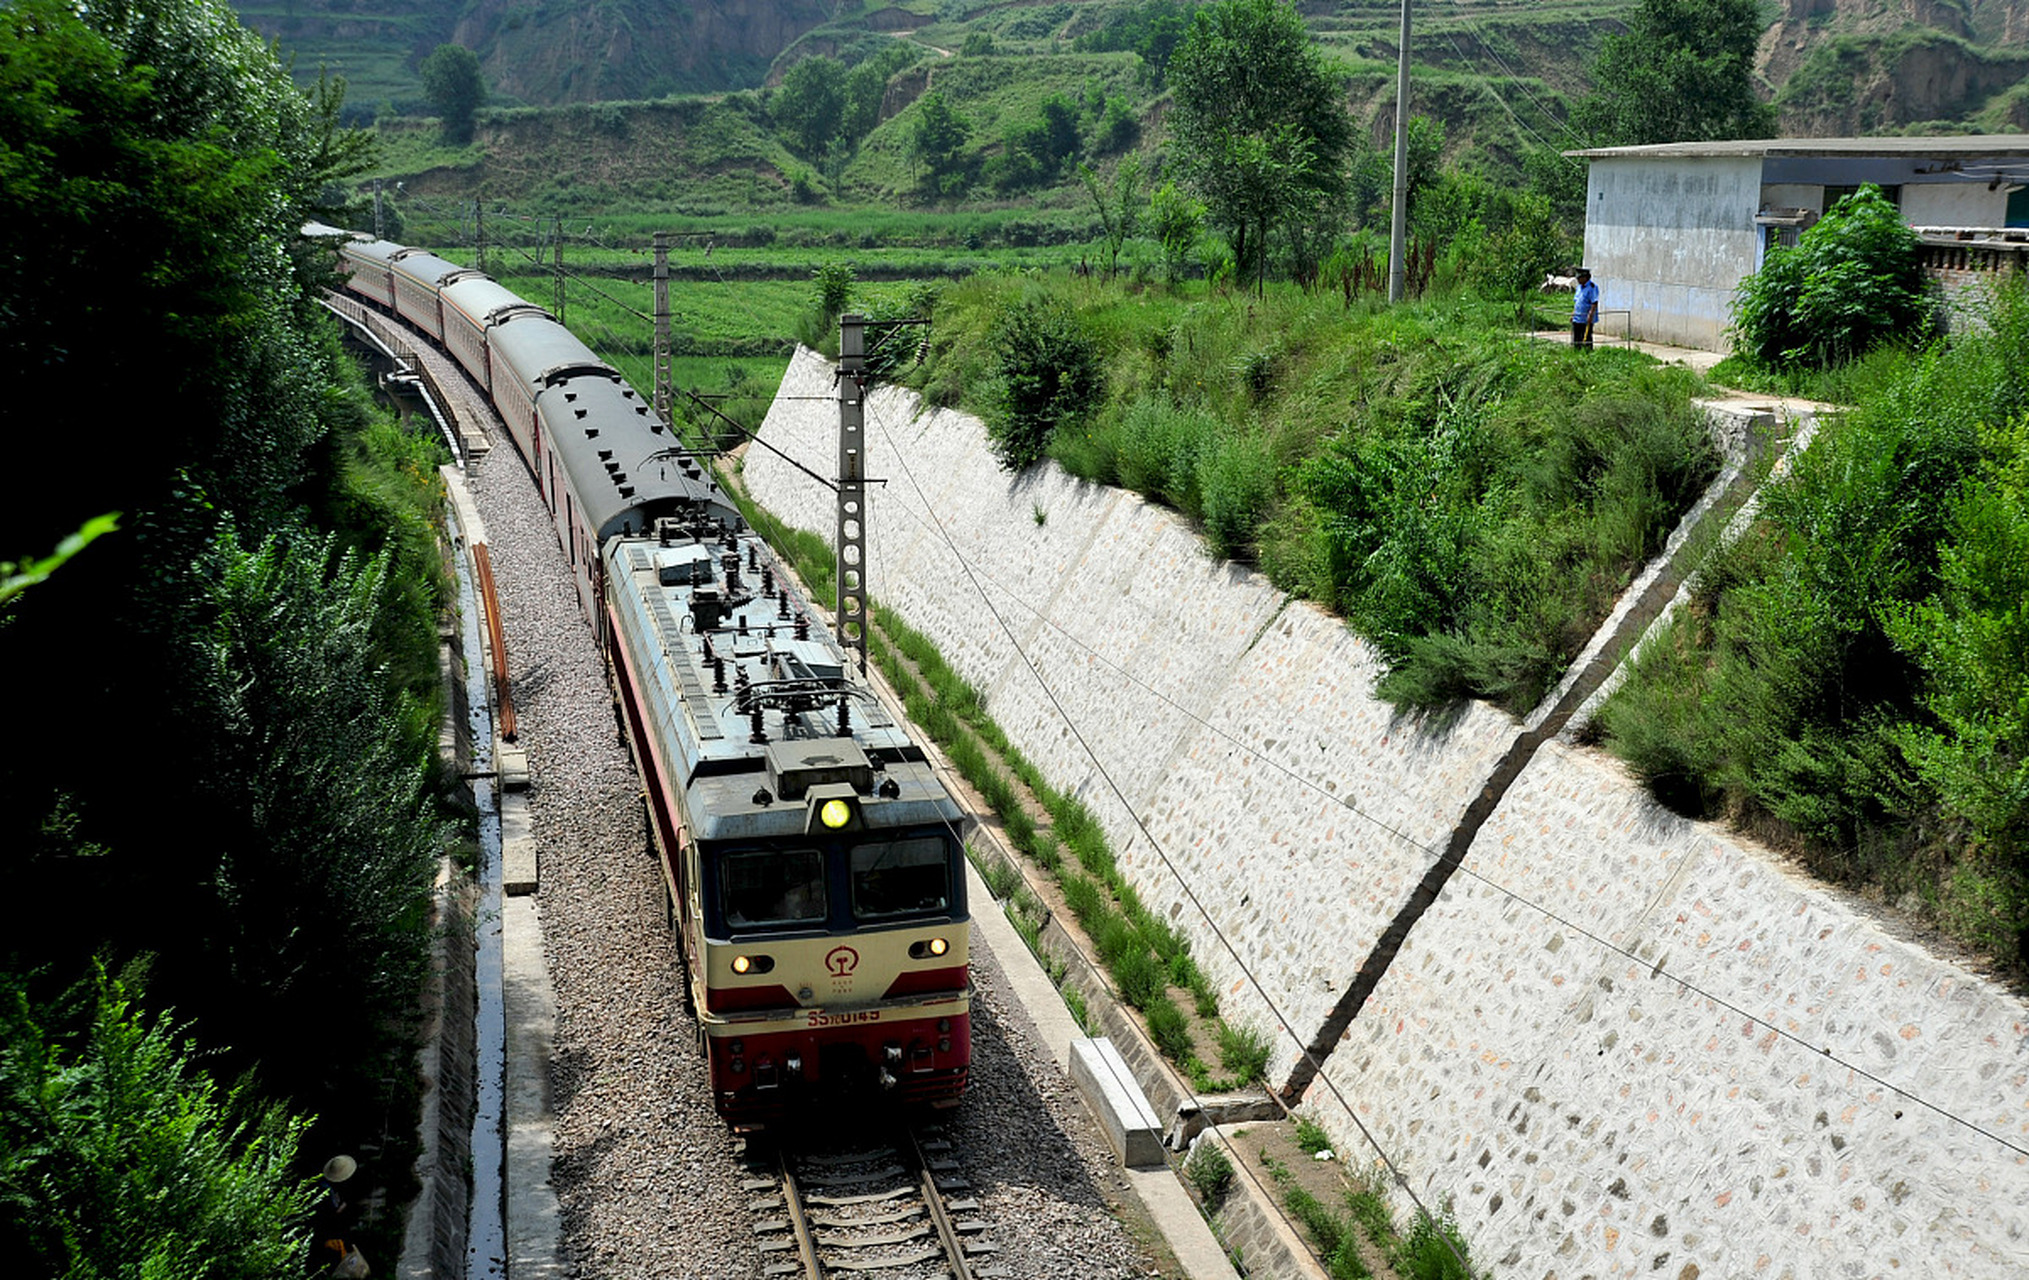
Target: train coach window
column 774, row 887
column 900, row 877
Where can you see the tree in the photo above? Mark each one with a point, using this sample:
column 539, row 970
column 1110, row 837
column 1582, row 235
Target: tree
column 937, row 141
column 451, row 82
column 1177, row 222
column 1852, row 279
column 1682, row 72
column 1046, row 372
column 1259, row 123
column 810, row 104
column 1119, row 204
column 119, row 1158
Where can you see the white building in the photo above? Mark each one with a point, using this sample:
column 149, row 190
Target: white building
column 1671, row 230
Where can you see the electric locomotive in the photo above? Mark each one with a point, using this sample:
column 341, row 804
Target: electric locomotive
column 814, row 864
column 813, row 860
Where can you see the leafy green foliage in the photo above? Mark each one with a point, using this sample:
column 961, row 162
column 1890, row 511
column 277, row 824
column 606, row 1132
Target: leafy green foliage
column 453, row 86
column 1259, row 128
column 1151, row 30
column 1177, row 223
column 1850, row 672
column 1118, row 202
column 120, row 1157
column 1046, row 373
column 1210, row 1172
column 1852, row 280
column 937, row 143
column 809, row 104
column 322, row 841
column 1682, row 72
column 159, row 168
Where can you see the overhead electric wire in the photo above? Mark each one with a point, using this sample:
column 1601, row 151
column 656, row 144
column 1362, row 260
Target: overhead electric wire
column 1656, row 970
column 1517, row 80
column 1099, row 767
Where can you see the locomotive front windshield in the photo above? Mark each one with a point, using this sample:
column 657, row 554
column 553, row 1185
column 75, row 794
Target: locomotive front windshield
column 774, row 887
column 910, row 876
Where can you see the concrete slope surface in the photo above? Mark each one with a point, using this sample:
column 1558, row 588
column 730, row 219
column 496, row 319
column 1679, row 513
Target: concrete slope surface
column 1617, row 1043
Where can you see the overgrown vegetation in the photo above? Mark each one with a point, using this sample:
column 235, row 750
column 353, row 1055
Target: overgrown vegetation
column 1433, row 1249
column 257, row 869
column 1854, row 279
column 1849, row 676
column 1471, row 500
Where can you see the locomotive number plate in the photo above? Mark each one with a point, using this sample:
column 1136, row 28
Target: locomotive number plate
column 841, row 1019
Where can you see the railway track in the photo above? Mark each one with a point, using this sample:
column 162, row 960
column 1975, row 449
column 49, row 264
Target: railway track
column 891, row 1203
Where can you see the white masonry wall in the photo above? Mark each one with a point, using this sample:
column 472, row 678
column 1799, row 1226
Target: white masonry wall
column 1583, row 1110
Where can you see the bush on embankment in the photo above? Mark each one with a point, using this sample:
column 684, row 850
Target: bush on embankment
column 1471, row 500
column 1852, row 675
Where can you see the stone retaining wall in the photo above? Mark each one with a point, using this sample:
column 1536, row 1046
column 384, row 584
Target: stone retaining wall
column 1583, row 1111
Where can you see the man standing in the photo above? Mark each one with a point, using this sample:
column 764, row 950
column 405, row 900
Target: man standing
column 1584, row 311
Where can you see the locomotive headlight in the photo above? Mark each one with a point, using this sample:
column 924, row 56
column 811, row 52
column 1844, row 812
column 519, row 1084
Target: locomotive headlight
column 753, row 964
column 938, row 946
column 742, row 964
column 835, row 814
column 924, row 948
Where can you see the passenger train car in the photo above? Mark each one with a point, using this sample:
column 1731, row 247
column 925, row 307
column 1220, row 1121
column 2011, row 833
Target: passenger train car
column 814, row 863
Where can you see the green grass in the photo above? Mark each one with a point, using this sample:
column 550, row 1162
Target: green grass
column 1472, row 500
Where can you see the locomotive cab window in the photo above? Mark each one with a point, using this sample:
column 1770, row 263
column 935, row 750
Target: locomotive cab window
column 774, row 887
column 911, row 876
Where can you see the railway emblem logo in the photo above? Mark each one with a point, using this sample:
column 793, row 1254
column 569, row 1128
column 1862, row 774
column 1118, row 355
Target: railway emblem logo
column 842, row 961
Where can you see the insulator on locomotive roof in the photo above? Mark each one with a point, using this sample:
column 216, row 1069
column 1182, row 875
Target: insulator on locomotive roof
column 782, row 604
column 767, row 580
column 760, row 729
column 731, row 564
column 753, row 556
column 890, row 789
column 845, row 717
column 803, row 626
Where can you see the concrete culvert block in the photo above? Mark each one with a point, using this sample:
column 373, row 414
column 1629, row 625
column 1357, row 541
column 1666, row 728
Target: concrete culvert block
column 1109, row 1089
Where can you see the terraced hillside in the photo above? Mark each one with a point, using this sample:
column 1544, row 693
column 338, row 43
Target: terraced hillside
column 1499, row 72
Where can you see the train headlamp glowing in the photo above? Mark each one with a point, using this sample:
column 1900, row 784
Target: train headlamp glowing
column 835, row 814
column 741, row 964
column 938, row 946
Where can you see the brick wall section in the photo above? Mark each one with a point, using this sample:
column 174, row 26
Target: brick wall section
column 1585, row 1113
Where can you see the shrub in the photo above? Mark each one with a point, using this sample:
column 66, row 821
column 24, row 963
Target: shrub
column 1434, row 1251
column 1243, row 1052
column 1851, row 281
column 1168, row 1028
column 1210, row 1172
column 1236, row 484
column 1141, row 978
column 1046, row 373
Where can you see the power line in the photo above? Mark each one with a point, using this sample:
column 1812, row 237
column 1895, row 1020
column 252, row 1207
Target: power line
column 1401, row 1180
column 1513, row 78
column 1656, row 970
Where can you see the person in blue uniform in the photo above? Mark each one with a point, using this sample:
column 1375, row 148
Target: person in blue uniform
column 1584, row 310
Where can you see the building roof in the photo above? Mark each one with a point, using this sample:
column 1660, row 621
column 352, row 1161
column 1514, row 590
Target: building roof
column 1973, row 146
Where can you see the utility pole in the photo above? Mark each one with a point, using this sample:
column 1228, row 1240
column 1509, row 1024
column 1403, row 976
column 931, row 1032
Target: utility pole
column 1398, row 224
column 850, row 616
column 479, row 230
column 560, row 269
column 379, row 219
column 661, row 354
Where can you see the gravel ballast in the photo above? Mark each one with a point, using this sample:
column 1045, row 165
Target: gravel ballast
column 646, row 1175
